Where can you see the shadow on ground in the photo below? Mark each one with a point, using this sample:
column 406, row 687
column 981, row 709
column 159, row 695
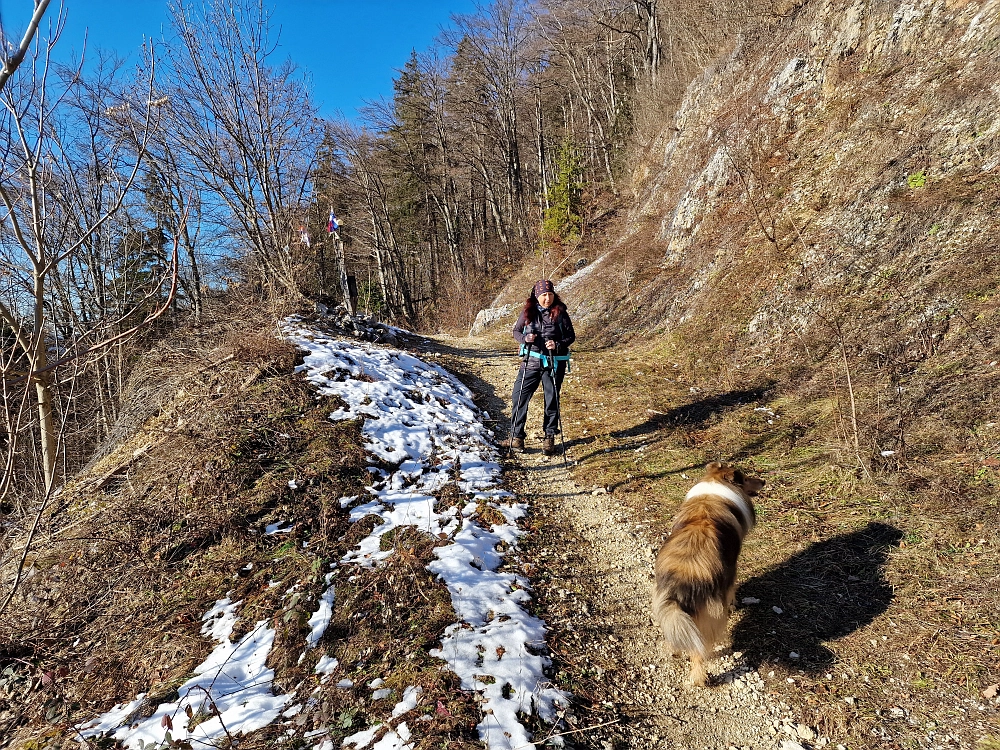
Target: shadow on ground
column 827, row 591
column 485, row 395
column 697, row 412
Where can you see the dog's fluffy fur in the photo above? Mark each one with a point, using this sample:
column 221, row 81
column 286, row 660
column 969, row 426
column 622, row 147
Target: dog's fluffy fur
column 696, row 567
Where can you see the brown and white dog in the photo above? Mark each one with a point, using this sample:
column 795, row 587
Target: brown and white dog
column 696, row 567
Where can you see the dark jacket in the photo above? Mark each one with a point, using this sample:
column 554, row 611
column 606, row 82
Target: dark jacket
column 545, row 328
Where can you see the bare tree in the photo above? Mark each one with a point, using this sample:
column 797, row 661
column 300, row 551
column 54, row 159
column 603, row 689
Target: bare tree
column 173, row 197
column 13, row 62
column 496, row 44
column 368, row 157
column 247, row 126
column 58, row 199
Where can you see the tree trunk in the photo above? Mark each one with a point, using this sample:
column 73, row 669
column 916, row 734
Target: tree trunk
column 345, row 289
column 47, row 433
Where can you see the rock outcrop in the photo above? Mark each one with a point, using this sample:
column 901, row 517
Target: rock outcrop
column 841, row 168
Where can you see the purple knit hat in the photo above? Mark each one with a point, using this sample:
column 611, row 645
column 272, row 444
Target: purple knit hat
column 543, row 286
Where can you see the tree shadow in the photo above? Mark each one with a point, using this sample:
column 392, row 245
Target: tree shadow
column 827, row 591
column 697, row 412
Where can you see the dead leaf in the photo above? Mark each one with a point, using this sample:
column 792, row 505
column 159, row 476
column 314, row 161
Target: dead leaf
column 991, row 691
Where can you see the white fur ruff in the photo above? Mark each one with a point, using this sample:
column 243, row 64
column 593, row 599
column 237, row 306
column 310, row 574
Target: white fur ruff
column 723, row 490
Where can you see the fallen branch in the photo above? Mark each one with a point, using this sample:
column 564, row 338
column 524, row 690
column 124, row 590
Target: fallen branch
column 573, row 731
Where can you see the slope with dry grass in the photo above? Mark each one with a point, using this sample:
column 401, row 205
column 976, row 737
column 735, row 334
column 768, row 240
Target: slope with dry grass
column 885, row 632
column 172, row 518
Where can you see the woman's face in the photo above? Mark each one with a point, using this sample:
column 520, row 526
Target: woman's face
column 545, row 299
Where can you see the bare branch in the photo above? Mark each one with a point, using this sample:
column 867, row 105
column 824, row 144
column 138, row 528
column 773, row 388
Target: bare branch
column 11, row 63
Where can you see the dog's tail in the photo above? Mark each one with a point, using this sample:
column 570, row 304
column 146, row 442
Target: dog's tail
column 678, row 627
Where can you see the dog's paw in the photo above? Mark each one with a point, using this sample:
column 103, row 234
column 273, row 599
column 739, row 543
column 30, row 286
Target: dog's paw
column 698, row 678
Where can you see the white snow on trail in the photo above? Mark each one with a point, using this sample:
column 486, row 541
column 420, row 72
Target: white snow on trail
column 229, row 693
column 423, row 421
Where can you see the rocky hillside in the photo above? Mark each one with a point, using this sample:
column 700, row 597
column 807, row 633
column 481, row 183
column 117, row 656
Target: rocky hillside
column 819, row 215
column 851, row 151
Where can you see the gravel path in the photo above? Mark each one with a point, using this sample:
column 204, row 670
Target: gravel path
column 590, row 563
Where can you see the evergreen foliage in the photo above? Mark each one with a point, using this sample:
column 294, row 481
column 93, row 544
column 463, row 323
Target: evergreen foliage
column 562, row 223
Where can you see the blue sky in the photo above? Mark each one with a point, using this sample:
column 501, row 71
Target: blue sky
column 351, row 48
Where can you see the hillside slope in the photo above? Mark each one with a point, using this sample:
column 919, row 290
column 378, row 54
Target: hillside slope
column 852, row 151
column 821, row 212
column 291, row 554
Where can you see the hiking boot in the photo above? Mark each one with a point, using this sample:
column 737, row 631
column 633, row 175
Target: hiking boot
column 549, row 445
column 517, row 445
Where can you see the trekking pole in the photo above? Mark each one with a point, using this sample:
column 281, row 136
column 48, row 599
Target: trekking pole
column 555, row 385
column 520, row 389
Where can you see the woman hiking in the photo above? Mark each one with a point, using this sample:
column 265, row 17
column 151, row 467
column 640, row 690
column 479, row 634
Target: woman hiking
column 545, row 334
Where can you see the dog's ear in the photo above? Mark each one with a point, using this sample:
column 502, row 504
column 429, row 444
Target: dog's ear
column 726, row 472
column 715, row 467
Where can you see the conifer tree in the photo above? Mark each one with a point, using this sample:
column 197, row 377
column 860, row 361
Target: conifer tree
column 562, row 223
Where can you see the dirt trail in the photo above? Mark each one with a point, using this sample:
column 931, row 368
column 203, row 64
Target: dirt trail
column 590, row 563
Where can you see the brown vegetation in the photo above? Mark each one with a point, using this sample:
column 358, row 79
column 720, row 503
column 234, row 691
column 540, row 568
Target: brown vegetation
column 888, row 584
column 171, row 519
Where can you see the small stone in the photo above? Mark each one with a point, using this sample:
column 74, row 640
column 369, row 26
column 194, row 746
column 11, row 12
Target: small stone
column 805, row 733
column 751, row 600
column 777, row 610
column 790, row 745
column 793, row 655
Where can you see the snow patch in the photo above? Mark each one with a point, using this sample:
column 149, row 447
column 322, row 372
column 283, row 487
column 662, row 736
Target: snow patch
column 320, row 618
column 418, row 418
column 229, row 694
column 326, row 665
